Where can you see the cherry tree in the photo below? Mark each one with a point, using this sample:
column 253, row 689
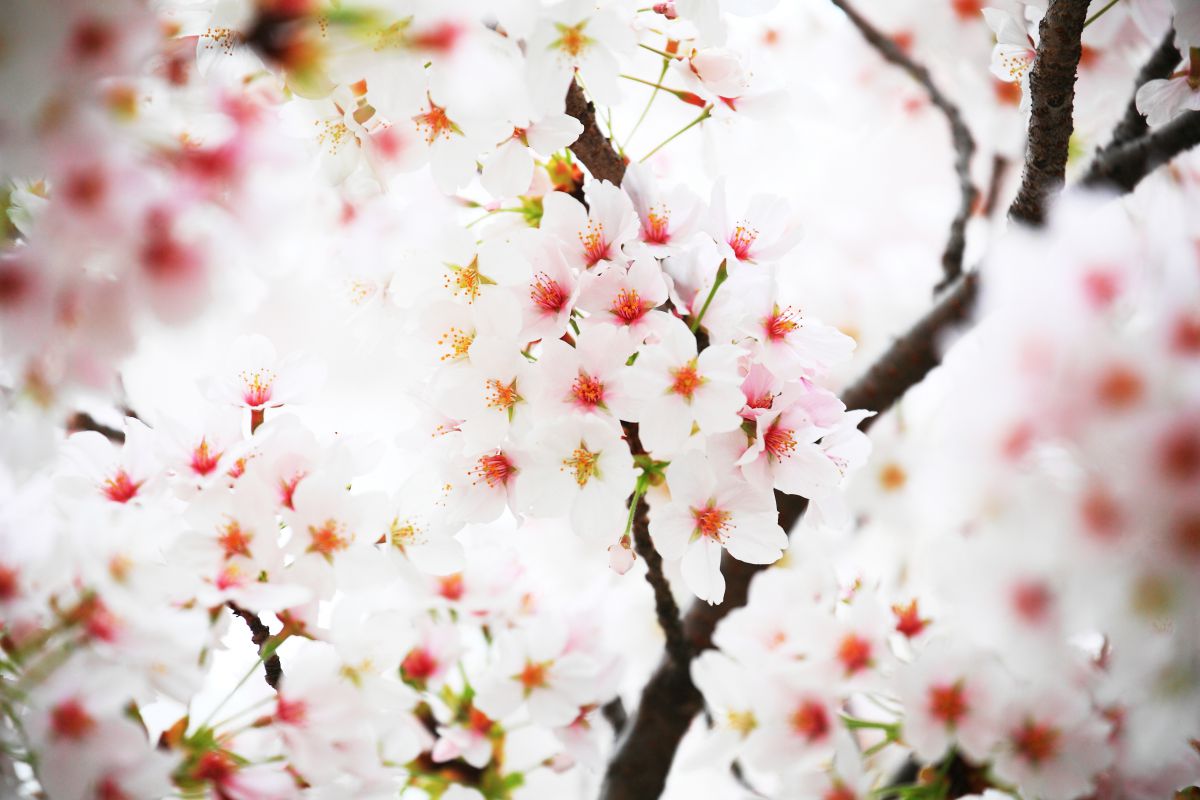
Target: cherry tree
column 513, row 399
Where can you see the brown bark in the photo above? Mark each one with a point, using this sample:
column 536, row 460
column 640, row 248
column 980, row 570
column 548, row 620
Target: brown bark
column 260, row 634
column 592, row 147
column 1052, row 102
column 1123, row 167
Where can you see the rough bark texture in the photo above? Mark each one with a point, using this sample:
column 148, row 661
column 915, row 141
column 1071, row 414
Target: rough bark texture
column 1052, row 100
column 964, row 144
column 592, row 147
column 1160, row 64
column 1123, row 167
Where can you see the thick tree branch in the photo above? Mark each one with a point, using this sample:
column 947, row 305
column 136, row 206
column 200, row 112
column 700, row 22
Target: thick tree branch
column 592, row 147
column 259, row 634
column 1052, row 101
column 964, row 144
column 1124, row 166
column 913, row 355
column 1161, row 63
column 670, row 701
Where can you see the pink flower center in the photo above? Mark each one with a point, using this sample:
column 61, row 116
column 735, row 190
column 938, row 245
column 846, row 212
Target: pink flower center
column 741, row 239
column 204, row 460
column 120, row 488
column 595, row 246
column 494, row 470
column 547, row 294
column 627, row 306
column 287, row 490
column 779, row 441
column 587, row 390
column 256, row 387
column 291, row 712
column 780, row 323
column 655, row 228
column 1032, row 600
column 712, row 522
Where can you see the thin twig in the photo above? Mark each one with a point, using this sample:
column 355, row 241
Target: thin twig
column 260, row 634
column 1160, row 64
column 964, row 144
column 83, row 421
column 1124, row 167
column 1052, row 102
column 665, row 607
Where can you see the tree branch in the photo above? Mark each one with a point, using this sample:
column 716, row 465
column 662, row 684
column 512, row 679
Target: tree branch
column 913, row 355
column 1161, row 63
column 1123, row 167
column 259, row 634
column 1052, row 99
column 670, row 701
column 83, row 421
column 665, row 607
column 592, row 147
column 964, row 144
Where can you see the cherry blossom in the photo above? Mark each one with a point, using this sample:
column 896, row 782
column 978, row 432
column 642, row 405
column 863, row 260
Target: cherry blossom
column 707, row 515
column 677, row 390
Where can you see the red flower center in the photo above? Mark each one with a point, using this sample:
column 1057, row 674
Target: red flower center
column 947, row 703
column 70, row 720
column 120, row 488
column 810, row 720
column 854, row 652
column 1036, row 742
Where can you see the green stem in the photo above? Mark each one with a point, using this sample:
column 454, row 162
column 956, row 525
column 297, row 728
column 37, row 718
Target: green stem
column 267, row 651
column 657, row 88
column 252, row 707
column 643, row 482
column 663, row 53
column 1099, row 13
column 722, row 274
column 705, row 114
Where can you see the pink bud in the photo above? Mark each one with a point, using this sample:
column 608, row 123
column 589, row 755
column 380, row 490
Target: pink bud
column 621, row 557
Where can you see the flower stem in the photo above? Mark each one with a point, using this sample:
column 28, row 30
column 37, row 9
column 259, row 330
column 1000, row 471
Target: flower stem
column 663, row 53
column 657, row 87
column 1099, row 13
column 722, row 274
column 705, row 114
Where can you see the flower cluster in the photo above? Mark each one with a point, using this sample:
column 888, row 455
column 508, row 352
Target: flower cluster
column 346, row 344
column 1041, row 635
